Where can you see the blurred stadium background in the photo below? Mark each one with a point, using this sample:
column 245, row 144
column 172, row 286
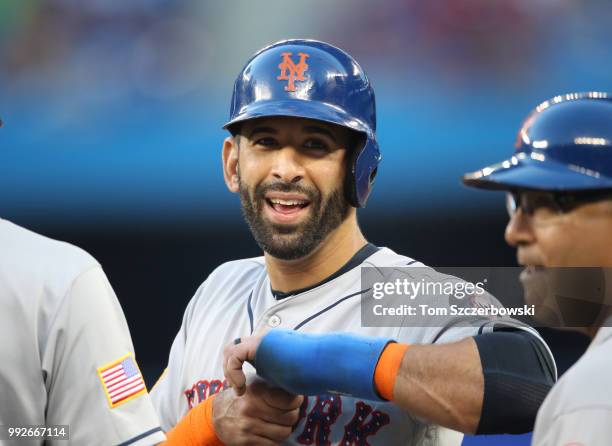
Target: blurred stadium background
column 113, row 109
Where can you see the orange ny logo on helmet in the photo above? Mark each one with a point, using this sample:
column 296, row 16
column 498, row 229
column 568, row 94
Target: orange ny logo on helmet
column 296, row 72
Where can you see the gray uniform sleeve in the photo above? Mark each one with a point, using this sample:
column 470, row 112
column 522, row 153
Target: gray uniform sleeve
column 588, row 426
column 89, row 332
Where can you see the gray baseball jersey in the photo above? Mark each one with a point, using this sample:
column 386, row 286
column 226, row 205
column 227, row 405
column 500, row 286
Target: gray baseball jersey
column 236, row 300
column 66, row 356
column 578, row 409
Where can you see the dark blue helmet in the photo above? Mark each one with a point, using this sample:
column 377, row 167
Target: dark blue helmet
column 565, row 144
column 312, row 79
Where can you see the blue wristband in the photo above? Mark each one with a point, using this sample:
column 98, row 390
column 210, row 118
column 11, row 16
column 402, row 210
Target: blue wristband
column 314, row 364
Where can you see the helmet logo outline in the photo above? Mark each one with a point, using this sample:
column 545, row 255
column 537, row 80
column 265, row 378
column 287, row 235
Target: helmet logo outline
column 296, row 71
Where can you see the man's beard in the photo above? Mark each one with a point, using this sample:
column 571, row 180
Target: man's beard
column 290, row 242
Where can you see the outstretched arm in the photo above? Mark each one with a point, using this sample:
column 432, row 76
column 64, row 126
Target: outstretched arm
column 446, row 384
column 442, row 383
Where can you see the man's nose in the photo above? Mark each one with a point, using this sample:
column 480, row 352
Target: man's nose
column 287, row 165
column 519, row 229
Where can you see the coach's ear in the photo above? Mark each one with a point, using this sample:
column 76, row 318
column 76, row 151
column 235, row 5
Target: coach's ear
column 230, row 163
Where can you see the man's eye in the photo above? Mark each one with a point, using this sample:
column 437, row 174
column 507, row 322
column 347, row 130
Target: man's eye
column 315, row 144
column 266, row 141
column 544, row 202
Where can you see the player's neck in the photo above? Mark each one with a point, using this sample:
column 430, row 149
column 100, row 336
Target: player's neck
column 329, row 257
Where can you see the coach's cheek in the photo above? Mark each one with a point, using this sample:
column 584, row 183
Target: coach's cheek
column 580, row 295
column 537, row 293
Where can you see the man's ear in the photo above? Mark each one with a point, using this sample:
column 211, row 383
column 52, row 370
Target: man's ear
column 230, row 163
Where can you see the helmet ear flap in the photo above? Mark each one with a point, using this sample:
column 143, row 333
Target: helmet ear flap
column 373, row 175
column 361, row 170
column 350, row 186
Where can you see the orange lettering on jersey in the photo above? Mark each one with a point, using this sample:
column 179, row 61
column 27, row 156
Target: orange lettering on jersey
column 295, row 72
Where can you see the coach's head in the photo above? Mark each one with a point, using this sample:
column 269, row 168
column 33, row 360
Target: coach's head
column 559, row 184
column 303, row 151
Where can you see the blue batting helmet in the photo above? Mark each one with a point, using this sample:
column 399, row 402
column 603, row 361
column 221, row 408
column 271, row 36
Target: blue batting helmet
column 312, row 79
column 565, row 144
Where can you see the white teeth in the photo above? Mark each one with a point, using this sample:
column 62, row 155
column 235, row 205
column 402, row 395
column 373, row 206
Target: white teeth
column 287, row 202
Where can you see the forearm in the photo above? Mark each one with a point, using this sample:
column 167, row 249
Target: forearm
column 440, row 383
column 443, row 384
column 491, row 383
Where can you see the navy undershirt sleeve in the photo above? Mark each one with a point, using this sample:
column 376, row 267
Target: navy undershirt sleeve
column 518, row 374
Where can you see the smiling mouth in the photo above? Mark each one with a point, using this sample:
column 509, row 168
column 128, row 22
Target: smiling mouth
column 287, row 207
column 286, row 211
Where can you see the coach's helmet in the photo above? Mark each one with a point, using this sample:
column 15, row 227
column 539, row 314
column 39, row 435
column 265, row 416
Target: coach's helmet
column 312, row 79
column 565, row 144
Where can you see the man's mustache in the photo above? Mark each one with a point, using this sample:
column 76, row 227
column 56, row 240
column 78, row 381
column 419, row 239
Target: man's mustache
column 261, row 190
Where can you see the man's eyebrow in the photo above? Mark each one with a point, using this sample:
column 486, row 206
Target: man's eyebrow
column 317, row 129
column 262, row 129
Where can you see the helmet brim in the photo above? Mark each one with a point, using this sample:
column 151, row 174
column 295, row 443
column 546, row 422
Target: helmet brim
column 319, row 111
column 535, row 173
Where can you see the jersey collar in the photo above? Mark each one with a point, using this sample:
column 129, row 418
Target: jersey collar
column 355, row 261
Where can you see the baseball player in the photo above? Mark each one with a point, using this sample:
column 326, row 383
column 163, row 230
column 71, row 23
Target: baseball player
column 302, row 155
column 559, row 185
column 66, row 354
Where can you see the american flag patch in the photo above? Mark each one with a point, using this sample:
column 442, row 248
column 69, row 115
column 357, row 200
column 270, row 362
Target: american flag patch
column 122, row 380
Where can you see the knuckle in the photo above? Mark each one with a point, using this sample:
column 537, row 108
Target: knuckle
column 296, row 404
column 290, row 419
column 294, row 416
column 241, row 426
column 283, row 433
column 257, row 387
column 249, row 426
column 249, row 411
column 244, row 410
column 288, row 430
